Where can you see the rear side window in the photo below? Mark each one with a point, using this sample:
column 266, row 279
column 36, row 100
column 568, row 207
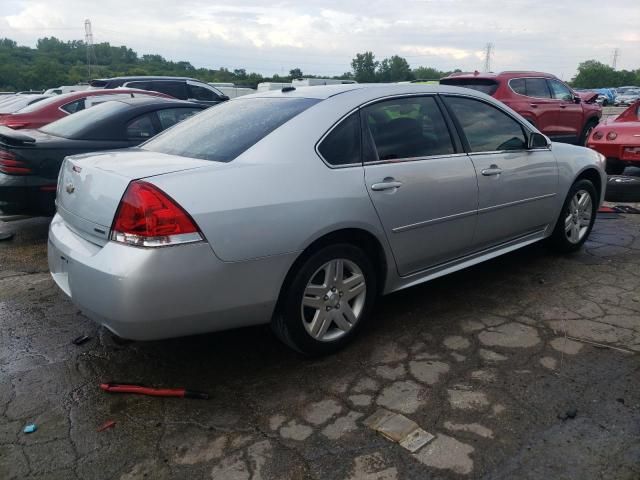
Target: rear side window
column 224, row 131
column 486, row 128
column 175, row 89
column 537, row 88
column 342, row 145
column 74, row 107
column 141, row 127
column 407, row 128
column 518, row 85
column 170, row 116
column 140, row 85
column 484, row 85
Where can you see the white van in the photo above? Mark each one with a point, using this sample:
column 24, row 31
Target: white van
column 266, row 86
column 66, row 89
column 231, row 90
column 312, row 82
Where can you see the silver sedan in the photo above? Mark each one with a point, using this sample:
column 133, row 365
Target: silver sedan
column 299, row 207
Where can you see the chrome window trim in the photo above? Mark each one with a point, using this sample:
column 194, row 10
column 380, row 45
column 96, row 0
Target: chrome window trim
column 415, row 159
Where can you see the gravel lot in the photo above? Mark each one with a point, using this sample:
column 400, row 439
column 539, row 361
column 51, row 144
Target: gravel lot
column 479, row 359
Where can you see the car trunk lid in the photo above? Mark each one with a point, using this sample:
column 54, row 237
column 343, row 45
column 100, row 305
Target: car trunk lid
column 91, row 186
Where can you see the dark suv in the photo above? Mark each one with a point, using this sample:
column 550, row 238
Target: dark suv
column 546, row 102
column 182, row 88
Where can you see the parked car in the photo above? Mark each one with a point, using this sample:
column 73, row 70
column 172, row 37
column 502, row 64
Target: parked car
column 628, row 97
column 17, row 102
column 298, row 207
column 618, row 139
column 546, row 102
column 232, row 90
column 30, row 159
column 60, row 106
column 66, row 89
column 182, row 88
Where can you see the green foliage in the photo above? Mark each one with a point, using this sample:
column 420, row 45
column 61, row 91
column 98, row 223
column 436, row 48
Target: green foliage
column 364, row 67
column 594, row 74
column 394, row 69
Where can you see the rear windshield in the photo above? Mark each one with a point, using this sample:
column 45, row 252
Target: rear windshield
column 38, row 105
column 19, row 103
column 74, row 126
column 483, row 85
column 223, row 132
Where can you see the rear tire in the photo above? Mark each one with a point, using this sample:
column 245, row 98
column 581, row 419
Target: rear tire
column 327, row 300
column 622, row 188
column 576, row 218
column 586, row 132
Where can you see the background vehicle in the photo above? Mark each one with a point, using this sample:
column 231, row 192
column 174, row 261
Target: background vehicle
column 618, row 139
column 314, row 82
column 300, row 206
column 231, row 90
column 546, row 102
column 182, row 88
column 59, row 106
column 268, row 86
column 30, row 159
column 14, row 103
column 629, row 96
column 66, row 89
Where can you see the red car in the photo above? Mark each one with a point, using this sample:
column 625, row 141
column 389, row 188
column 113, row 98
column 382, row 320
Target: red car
column 51, row 109
column 618, row 139
column 546, row 102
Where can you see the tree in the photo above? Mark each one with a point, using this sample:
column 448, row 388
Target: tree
column 364, row 67
column 394, row 69
column 295, row 73
column 428, row 73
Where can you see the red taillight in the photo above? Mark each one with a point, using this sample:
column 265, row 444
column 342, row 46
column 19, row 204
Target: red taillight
column 148, row 217
column 612, row 136
column 598, row 135
column 11, row 166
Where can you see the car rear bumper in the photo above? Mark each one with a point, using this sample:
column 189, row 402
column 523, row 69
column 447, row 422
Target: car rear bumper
column 26, row 194
column 155, row 293
column 618, row 151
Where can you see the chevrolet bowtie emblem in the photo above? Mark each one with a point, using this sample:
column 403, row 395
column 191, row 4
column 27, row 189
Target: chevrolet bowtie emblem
column 70, row 188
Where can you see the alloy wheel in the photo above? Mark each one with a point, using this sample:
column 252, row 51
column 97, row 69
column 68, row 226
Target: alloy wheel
column 578, row 216
column 333, row 300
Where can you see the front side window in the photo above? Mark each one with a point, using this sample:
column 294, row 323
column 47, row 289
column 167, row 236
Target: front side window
column 559, row 91
column 170, row 116
column 141, row 127
column 342, row 145
column 537, row 88
column 407, row 128
column 486, row 128
column 197, row 92
column 224, row 131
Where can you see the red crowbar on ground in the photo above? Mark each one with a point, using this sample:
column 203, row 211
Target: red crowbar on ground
column 154, row 392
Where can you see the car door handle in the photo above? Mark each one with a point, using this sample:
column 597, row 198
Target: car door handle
column 563, row 106
column 492, row 170
column 534, row 105
column 387, row 184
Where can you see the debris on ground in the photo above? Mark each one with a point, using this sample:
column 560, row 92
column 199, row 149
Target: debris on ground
column 106, row 425
column 154, row 392
column 30, row 428
column 569, row 414
column 81, row 340
column 399, row 429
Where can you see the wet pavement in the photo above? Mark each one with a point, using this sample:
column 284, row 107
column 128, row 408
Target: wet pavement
column 526, row 367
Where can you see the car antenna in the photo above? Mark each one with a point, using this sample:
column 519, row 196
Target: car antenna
column 288, row 89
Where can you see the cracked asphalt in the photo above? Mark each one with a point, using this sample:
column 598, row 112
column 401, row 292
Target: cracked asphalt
column 493, row 361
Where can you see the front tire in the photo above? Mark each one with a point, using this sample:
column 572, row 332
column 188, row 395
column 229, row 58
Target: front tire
column 576, row 218
column 327, row 300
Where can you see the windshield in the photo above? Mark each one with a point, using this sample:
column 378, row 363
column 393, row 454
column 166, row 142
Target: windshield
column 74, row 126
column 223, row 132
column 483, row 85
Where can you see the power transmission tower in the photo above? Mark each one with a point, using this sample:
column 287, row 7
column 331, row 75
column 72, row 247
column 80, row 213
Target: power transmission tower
column 487, row 57
column 88, row 39
column 616, row 55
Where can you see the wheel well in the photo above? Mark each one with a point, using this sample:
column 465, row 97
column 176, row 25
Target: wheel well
column 592, row 120
column 354, row 236
column 594, row 177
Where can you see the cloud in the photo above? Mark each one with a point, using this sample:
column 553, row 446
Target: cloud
column 322, row 37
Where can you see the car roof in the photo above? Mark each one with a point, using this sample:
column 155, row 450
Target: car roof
column 375, row 90
column 135, row 101
column 498, row 75
column 143, row 77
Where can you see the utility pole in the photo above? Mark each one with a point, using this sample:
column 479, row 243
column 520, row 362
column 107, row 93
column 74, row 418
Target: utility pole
column 487, row 57
column 88, row 40
column 616, row 55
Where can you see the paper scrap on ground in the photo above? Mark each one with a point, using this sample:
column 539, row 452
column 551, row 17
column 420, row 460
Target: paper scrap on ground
column 399, row 429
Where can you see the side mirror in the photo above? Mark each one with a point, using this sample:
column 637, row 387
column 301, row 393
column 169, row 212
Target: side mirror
column 224, row 98
column 577, row 99
column 537, row 140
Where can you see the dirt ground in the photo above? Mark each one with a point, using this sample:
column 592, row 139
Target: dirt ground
column 496, row 362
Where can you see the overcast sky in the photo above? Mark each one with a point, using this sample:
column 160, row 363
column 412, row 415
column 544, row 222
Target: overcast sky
column 321, row 37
